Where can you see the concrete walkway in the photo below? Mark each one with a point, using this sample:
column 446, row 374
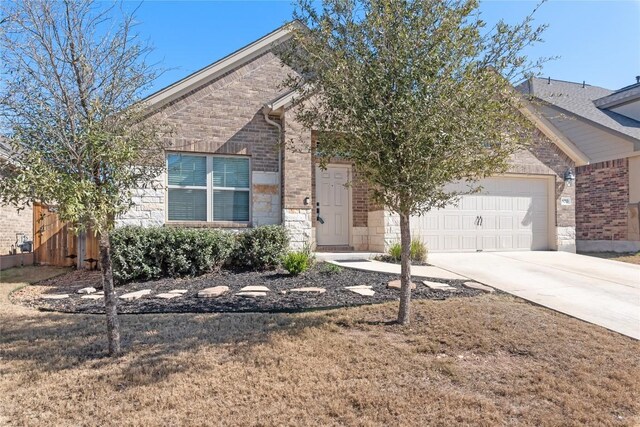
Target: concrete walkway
column 600, row 291
column 364, row 261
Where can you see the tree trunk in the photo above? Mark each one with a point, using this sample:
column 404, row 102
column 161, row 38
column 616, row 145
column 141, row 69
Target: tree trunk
column 110, row 301
column 404, row 313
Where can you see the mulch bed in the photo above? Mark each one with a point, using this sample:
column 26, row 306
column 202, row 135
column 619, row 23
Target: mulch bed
column 279, row 299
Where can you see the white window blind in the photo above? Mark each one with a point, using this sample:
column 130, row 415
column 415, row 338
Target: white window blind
column 208, row 188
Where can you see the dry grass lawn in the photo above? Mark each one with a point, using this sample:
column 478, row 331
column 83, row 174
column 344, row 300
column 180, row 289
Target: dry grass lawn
column 630, row 258
column 486, row 361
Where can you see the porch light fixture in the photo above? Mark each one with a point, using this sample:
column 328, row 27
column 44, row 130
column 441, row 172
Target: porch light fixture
column 569, row 177
column 306, row 201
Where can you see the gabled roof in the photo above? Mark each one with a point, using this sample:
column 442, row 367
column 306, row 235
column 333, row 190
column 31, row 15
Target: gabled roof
column 218, row 68
column 578, row 99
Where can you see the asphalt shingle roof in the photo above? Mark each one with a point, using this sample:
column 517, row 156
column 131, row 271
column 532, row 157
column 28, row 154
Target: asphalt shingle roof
column 578, row 100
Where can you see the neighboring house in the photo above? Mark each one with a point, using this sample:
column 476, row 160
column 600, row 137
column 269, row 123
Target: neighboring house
column 15, row 225
column 605, row 126
column 229, row 167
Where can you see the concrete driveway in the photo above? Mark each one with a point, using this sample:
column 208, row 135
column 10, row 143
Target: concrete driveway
column 596, row 290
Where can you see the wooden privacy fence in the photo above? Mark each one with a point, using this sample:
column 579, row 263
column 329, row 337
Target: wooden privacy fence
column 55, row 243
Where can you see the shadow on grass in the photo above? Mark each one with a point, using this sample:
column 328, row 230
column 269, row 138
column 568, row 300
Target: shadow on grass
column 56, row 341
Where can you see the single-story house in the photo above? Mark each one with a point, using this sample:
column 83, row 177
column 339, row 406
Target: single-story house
column 227, row 167
column 605, row 127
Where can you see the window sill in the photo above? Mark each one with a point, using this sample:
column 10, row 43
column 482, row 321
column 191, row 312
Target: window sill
column 205, row 224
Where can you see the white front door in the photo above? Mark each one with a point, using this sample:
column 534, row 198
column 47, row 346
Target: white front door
column 332, row 205
column 510, row 213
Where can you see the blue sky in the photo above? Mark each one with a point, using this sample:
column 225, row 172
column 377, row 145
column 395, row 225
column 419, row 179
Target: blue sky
column 597, row 41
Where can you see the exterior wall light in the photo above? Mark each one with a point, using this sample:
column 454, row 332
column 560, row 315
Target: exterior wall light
column 306, row 201
column 569, row 177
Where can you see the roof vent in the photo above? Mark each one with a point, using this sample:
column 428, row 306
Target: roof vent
column 637, row 79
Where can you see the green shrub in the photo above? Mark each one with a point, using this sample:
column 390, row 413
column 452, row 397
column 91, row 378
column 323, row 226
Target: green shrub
column 418, row 251
column 260, row 248
column 395, row 251
column 140, row 253
column 297, row 262
column 328, row 268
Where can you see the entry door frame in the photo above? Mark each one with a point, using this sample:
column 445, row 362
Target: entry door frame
column 349, row 208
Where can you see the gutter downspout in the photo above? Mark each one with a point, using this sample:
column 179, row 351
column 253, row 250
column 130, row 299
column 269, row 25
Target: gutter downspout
column 265, row 111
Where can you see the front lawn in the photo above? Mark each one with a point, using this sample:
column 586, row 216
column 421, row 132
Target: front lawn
column 489, row 360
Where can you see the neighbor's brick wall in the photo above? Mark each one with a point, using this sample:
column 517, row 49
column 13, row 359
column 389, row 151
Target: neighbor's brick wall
column 602, row 203
column 12, row 222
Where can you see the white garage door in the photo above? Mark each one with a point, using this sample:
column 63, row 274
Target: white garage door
column 508, row 214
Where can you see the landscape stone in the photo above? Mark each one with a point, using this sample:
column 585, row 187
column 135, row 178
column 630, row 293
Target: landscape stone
column 178, row 291
column 367, row 292
column 439, row 286
column 395, row 284
column 168, row 295
column 92, row 296
column 479, row 286
column 358, row 287
column 255, row 289
column 212, row 292
column 87, row 291
column 135, row 295
column 310, row 290
column 54, row 296
column 251, row 294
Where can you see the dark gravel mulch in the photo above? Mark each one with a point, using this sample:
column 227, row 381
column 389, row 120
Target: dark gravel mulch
column 279, row 299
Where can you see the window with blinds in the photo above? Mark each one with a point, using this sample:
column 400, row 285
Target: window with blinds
column 208, row 188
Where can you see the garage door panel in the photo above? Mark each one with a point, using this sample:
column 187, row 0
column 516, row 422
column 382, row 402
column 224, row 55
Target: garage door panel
column 514, row 215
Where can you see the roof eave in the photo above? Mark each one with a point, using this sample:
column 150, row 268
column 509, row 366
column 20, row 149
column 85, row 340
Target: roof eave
column 551, row 132
column 218, row 68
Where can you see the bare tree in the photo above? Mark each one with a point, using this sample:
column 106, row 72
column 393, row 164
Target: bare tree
column 72, row 73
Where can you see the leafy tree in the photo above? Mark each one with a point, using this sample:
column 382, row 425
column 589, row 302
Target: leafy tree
column 416, row 93
column 71, row 76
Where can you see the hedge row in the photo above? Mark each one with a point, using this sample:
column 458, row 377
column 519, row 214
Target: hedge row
column 140, row 253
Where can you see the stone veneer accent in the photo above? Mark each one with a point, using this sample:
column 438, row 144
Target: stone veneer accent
column 298, row 224
column 602, row 205
column 266, row 207
column 12, row 222
column 148, row 209
column 384, row 230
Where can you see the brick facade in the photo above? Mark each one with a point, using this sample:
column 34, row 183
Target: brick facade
column 602, row 210
column 12, row 222
column 225, row 116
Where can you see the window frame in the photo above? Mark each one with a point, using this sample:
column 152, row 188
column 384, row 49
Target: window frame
column 209, row 189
